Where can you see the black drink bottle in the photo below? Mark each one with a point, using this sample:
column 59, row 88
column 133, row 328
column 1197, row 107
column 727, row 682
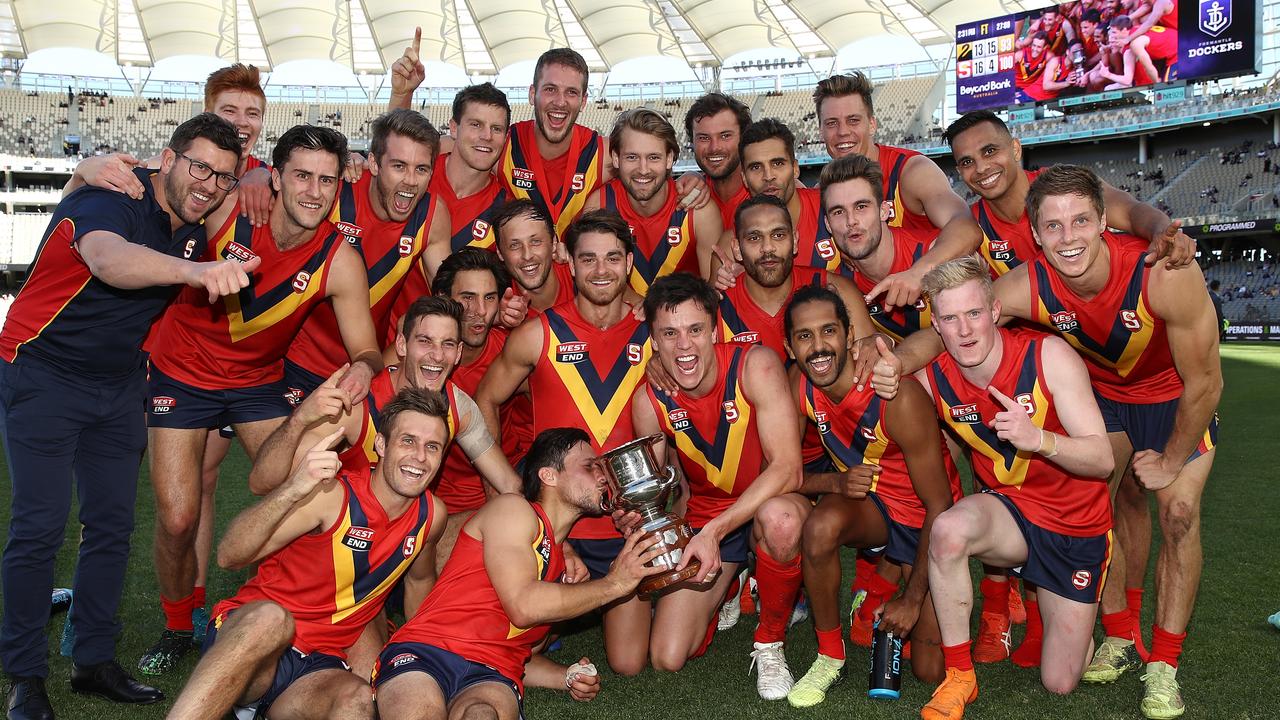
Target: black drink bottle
column 886, row 665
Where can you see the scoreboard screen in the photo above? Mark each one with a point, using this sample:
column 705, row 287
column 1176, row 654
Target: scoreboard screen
column 1077, row 49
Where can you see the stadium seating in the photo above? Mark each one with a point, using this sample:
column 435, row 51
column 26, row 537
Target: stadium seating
column 32, row 123
column 1250, row 290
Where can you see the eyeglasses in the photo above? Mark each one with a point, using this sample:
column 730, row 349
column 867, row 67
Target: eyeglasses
column 202, row 171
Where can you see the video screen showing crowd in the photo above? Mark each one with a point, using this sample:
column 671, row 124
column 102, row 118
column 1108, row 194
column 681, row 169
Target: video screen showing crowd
column 469, row 370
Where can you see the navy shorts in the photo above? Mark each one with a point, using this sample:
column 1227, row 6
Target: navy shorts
column 292, row 666
column 1070, row 567
column 598, row 555
column 300, row 381
column 904, row 540
column 452, row 672
column 175, row 404
column 1149, row 425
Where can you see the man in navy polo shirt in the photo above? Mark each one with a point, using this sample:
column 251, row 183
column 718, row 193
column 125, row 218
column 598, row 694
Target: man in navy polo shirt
column 72, row 394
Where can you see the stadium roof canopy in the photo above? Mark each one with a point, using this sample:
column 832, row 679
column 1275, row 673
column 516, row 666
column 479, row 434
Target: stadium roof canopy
column 481, row 37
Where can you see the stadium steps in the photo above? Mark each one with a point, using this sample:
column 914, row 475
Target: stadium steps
column 1173, row 181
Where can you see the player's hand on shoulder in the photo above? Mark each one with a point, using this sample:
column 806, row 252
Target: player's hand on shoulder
column 326, row 403
column 659, row 378
column 354, row 167
column 112, row 172
column 1013, row 424
column 222, row 277
column 583, row 680
column 1175, row 247
column 320, row 465
column 255, row 195
column 693, row 191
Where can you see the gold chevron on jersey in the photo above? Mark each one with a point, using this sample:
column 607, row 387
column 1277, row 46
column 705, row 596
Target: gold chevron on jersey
column 1124, row 345
column 541, row 547
column 1009, row 464
column 867, row 446
column 600, row 400
column 718, row 457
column 356, row 579
column 254, row 309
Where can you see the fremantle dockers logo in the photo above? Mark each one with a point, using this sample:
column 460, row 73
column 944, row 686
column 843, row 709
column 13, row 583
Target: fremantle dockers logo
column 1215, row 16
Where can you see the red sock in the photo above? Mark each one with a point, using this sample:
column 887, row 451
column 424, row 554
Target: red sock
column 995, row 596
column 831, row 643
column 958, row 656
column 1028, row 653
column 863, row 569
column 1165, row 646
column 778, row 584
column 878, row 591
column 177, row 613
column 706, row 639
column 1133, row 600
column 1118, row 624
column 197, row 597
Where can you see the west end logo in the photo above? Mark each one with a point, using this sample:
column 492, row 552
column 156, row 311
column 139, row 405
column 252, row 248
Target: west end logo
column 1215, row 16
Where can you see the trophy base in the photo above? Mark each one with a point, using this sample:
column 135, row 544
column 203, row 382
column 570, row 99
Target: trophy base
column 656, row 584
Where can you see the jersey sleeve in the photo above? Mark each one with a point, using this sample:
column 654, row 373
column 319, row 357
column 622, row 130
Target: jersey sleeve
column 93, row 209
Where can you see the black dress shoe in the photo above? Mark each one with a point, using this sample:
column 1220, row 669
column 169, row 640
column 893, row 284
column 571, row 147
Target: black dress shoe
column 110, row 681
column 28, row 700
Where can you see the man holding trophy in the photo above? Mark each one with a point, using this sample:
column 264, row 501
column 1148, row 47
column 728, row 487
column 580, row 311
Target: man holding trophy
column 740, row 488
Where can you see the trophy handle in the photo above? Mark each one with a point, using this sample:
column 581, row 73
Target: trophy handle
column 669, row 481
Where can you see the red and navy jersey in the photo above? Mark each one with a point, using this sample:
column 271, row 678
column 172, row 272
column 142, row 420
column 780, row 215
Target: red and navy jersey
column 853, row 432
column 471, row 217
column 525, row 173
column 253, row 163
column 1005, row 245
column 459, row 485
column 715, row 436
column 665, row 241
column 912, row 225
column 1123, row 343
column 729, row 208
column 463, row 614
column 565, row 289
column 1030, row 68
column 334, row 582
column 1047, row 495
column 241, row 340
column 900, row 321
column 382, row 391
column 743, row 321
column 585, row 378
column 66, row 316
column 390, row 251
column 814, row 245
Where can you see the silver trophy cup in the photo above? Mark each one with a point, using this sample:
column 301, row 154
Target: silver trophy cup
column 634, row 484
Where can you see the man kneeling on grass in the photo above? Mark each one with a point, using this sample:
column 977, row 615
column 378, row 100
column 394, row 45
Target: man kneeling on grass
column 333, row 540
column 464, row 653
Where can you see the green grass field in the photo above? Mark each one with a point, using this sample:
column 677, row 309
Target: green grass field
column 1226, row 668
